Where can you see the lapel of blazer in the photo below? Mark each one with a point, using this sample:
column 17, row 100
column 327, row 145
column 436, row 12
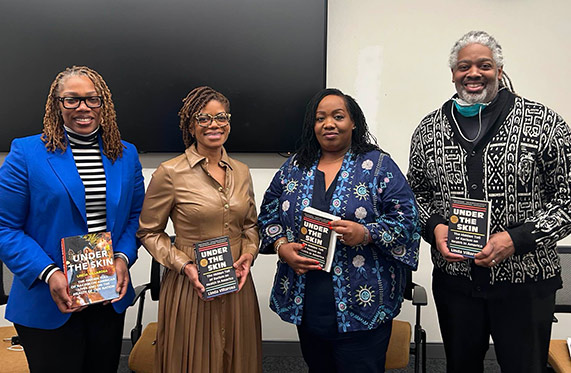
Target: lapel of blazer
column 113, row 186
column 64, row 168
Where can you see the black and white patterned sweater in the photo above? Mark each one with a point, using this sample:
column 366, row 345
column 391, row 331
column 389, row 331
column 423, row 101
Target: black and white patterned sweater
column 522, row 165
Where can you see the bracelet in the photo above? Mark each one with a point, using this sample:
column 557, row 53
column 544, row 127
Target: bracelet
column 366, row 237
column 277, row 248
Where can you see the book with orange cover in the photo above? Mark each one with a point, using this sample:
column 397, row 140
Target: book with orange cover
column 89, row 268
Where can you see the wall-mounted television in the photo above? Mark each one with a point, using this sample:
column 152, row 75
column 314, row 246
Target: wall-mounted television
column 266, row 56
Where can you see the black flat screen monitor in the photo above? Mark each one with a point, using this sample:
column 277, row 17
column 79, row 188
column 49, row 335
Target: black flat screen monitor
column 266, row 56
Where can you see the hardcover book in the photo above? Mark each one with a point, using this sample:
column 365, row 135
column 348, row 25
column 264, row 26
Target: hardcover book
column 89, row 268
column 215, row 271
column 469, row 226
column 319, row 239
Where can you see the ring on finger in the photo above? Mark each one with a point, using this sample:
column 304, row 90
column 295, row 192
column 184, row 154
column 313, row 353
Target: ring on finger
column 341, row 239
column 494, row 262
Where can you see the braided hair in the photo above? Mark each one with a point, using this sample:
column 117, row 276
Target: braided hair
column 362, row 140
column 193, row 103
column 53, row 134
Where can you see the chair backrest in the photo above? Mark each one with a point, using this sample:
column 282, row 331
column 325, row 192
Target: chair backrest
column 409, row 286
column 5, row 283
column 157, row 273
column 154, row 286
column 563, row 296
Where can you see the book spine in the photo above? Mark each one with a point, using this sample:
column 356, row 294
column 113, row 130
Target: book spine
column 64, row 260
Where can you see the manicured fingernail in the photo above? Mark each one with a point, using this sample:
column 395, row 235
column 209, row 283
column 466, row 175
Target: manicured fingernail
column 302, row 245
column 316, row 262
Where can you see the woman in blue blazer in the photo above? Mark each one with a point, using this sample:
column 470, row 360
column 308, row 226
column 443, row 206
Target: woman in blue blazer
column 77, row 177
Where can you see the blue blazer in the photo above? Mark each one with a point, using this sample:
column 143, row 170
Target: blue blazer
column 42, row 199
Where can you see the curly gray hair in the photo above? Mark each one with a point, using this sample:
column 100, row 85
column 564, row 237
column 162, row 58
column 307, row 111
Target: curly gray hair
column 477, row 37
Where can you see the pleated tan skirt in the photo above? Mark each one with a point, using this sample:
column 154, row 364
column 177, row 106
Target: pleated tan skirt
column 222, row 335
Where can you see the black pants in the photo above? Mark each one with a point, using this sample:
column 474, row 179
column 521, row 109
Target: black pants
column 520, row 328
column 351, row 352
column 90, row 341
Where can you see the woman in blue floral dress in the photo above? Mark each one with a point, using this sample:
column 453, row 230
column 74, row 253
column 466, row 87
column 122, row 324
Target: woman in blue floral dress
column 343, row 316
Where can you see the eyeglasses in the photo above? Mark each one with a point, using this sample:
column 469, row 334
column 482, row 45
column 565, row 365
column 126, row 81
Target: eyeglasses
column 205, row 120
column 92, row 102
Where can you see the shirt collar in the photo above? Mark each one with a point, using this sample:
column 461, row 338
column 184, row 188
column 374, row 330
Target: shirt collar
column 75, row 137
column 195, row 158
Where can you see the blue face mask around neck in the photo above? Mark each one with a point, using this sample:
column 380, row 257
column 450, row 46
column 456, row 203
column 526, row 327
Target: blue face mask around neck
column 468, row 110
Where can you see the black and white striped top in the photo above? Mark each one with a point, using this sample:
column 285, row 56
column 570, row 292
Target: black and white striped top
column 87, row 156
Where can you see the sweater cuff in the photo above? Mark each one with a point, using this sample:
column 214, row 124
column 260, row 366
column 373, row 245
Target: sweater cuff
column 48, row 272
column 522, row 238
column 122, row 256
column 431, row 223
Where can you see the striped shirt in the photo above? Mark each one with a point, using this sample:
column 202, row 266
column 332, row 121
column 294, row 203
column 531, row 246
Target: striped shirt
column 87, row 156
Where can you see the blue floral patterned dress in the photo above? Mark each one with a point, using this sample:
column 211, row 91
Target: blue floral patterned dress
column 368, row 281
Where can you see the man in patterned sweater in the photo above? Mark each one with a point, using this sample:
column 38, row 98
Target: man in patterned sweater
column 487, row 143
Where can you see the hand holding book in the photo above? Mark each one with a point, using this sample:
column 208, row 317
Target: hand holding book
column 122, row 273
column 58, row 291
column 289, row 253
column 351, row 232
column 499, row 247
column 191, row 273
column 441, row 242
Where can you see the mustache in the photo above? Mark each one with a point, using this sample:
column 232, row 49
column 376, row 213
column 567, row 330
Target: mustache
column 480, row 79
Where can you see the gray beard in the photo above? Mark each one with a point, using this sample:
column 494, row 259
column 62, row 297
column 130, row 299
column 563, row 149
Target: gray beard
column 484, row 97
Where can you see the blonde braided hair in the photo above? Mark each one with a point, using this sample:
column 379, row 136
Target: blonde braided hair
column 53, row 134
column 195, row 101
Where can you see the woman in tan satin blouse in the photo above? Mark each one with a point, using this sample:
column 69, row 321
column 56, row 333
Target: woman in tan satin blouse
column 206, row 194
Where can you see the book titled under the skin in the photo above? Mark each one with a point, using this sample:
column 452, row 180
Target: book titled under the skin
column 215, row 267
column 319, row 239
column 469, row 226
column 89, row 268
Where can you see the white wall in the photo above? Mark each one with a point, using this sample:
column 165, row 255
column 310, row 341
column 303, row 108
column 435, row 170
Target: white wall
column 392, row 57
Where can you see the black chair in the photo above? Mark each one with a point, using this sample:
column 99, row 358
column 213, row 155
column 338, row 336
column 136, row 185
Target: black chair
column 558, row 356
column 400, row 348
column 153, row 286
column 5, row 283
column 417, row 295
column 141, row 358
column 563, row 296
